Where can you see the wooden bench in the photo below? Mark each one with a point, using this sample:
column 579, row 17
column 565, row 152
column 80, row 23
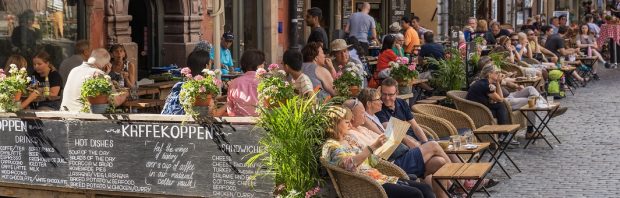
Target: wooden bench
column 164, row 88
column 463, row 171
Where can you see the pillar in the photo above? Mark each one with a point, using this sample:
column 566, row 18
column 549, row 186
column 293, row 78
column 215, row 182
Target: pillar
column 182, row 24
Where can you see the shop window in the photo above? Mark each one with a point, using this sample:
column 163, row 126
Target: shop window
column 28, row 26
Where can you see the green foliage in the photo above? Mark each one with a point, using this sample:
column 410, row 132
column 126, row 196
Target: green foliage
column 197, row 87
column 498, row 59
column 451, row 72
column 291, row 139
column 479, row 40
column 273, row 87
column 16, row 81
column 93, row 86
column 349, row 75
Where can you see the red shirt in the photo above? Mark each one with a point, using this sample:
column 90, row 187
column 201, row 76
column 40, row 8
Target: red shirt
column 384, row 59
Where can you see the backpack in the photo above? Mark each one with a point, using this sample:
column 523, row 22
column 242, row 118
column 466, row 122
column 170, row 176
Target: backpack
column 555, row 87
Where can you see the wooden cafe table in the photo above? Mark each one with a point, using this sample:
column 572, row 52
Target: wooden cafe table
column 164, row 88
column 544, row 120
column 482, row 146
column 463, row 171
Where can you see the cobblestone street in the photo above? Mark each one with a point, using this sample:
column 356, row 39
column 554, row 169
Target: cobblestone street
column 586, row 163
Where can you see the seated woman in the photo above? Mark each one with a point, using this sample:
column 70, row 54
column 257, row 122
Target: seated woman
column 539, row 52
column 318, row 69
column 423, row 160
column 45, row 73
column 386, row 55
column 196, row 61
column 16, row 59
column 355, row 158
column 122, row 69
column 585, row 40
column 487, row 91
column 242, row 95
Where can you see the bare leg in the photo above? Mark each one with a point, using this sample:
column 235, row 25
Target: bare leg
column 432, row 149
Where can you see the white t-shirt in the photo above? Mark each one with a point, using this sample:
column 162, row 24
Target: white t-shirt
column 72, row 91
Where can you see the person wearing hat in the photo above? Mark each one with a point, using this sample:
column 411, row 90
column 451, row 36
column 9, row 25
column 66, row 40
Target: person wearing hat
column 225, row 55
column 317, row 33
column 341, row 56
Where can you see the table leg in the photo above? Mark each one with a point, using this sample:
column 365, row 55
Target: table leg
column 442, row 187
column 537, row 128
column 493, row 154
column 546, row 120
column 503, row 151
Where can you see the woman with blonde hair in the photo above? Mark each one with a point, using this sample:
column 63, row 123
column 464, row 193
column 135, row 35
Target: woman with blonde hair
column 352, row 157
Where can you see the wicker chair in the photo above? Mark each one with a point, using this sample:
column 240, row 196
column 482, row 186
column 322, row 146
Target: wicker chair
column 530, row 61
column 440, row 126
column 509, row 67
column 350, row 184
column 457, row 118
column 429, row 132
column 480, row 114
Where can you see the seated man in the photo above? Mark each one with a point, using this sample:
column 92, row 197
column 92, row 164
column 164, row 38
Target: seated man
column 98, row 63
column 398, row 108
column 422, row 160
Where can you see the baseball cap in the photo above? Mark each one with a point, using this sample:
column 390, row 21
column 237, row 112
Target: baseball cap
column 228, row 36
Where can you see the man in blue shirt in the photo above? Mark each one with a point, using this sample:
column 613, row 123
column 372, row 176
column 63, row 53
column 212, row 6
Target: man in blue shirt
column 398, row 108
column 225, row 55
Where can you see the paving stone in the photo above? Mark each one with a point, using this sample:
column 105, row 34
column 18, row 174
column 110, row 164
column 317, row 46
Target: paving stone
column 586, row 163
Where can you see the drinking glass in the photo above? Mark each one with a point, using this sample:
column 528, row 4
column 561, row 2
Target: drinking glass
column 550, row 100
column 469, row 137
column 456, row 142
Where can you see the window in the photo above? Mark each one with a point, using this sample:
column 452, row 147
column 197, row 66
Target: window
column 29, row 26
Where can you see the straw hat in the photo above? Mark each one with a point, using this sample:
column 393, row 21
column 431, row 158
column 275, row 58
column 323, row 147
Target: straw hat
column 395, row 27
column 338, row 45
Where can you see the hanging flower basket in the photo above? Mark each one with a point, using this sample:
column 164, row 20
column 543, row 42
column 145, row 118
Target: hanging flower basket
column 203, row 101
column 100, row 99
column 18, row 96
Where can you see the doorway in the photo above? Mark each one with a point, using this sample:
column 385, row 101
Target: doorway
column 146, row 31
column 245, row 20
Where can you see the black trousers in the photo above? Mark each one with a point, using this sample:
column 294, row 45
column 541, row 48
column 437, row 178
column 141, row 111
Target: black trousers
column 408, row 189
column 500, row 112
column 614, row 51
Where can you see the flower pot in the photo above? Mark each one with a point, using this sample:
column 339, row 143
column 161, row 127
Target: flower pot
column 18, row 96
column 99, row 108
column 100, row 99
column 203, row 102
column 354, row 90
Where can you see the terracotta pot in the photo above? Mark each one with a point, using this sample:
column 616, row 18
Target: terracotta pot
column 18, row 96
column 203, row 102
column 100, row 99
column 354, row 90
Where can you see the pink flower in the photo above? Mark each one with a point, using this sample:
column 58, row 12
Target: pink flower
column 188, row 76
column 2, row 71
column 198, row 77
column 412, row 67
column 404, row 60
column 217, row 82
column 340, row 67
column 260, row 72
column 339, row 74
column 313, row 192
column 273, row 66
column 186, row 71
column 202, row 89
column 2, row 76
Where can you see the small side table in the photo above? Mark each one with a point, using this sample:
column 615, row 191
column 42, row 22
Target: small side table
column 509, row 131
column 538, row 129
column 463, row 171
column 482, row 146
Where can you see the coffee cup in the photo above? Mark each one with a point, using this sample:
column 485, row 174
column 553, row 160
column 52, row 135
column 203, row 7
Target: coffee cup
column 531, row 102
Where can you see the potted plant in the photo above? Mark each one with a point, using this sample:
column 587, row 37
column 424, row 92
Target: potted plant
column 273, row 89
column 12, row 86
column 450, row 74
column 291, row 140
column 349, row 79
column 198, row 91
column 403, row 73
column 96, row 94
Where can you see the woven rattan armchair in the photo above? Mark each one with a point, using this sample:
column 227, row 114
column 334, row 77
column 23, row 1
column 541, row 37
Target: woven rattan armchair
column 440, row 126
column 509, row 67
column 350, row 184
column 457, row 118
column 429, row 132
column 480, row 114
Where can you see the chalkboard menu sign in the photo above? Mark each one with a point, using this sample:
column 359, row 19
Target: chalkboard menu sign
column 140, row 157
column 300, row 21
